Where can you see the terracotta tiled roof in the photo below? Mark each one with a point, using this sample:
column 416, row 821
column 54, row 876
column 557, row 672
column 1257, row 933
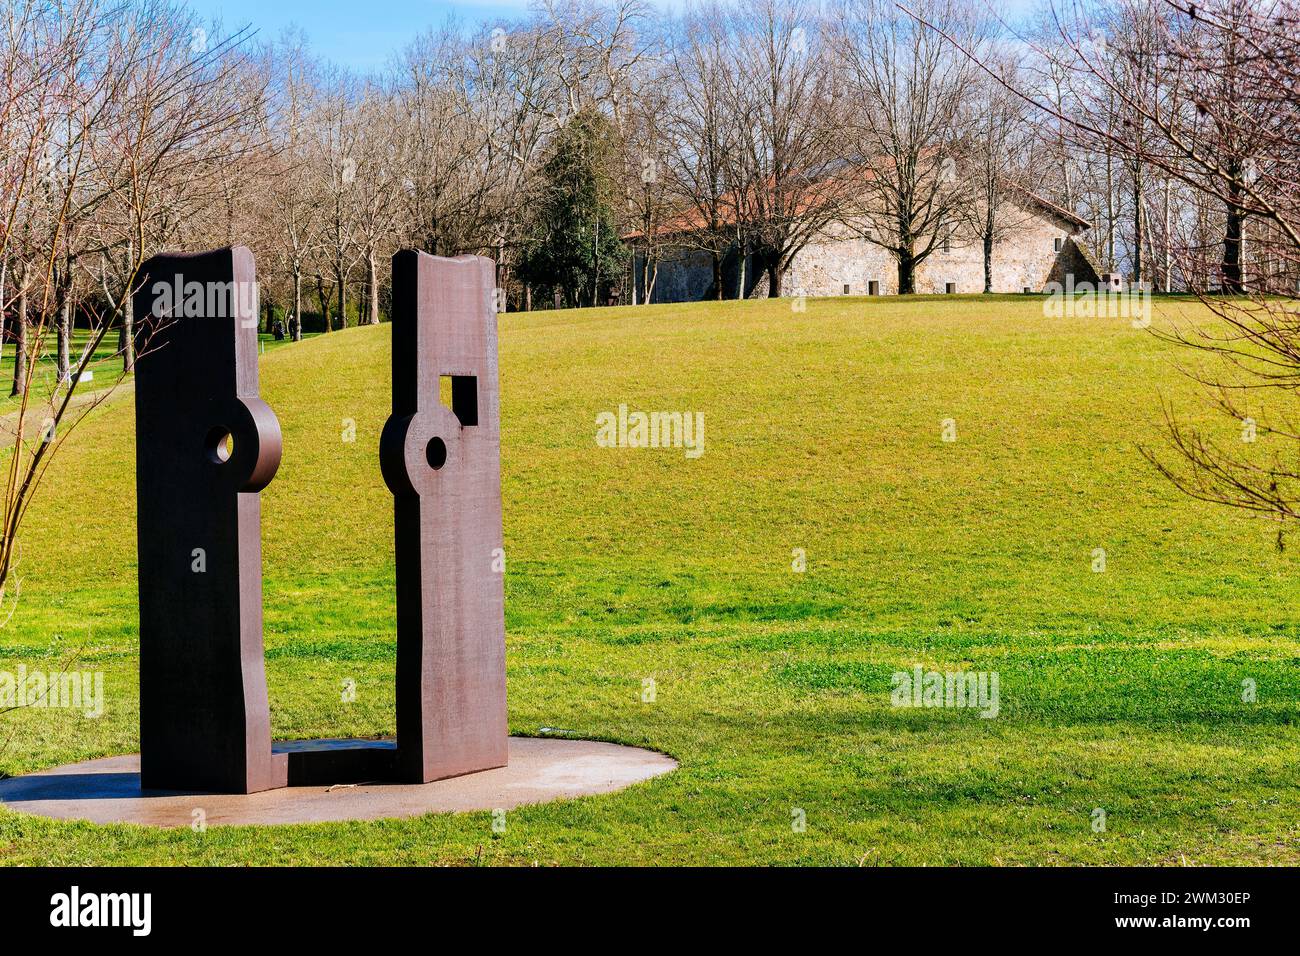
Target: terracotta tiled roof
column 1052, row 207
column 799, row 199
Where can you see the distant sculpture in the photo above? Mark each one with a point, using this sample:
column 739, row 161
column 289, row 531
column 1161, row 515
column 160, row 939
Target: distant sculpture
column 207, row 445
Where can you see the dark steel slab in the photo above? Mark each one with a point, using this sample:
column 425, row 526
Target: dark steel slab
column 326, row 762
column 204, row 718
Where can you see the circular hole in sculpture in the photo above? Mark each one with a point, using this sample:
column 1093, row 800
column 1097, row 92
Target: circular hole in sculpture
column 436, row 453
column 221, row 444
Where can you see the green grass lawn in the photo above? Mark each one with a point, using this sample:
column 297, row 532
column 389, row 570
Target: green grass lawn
column 105, row 366
column 1119, row 691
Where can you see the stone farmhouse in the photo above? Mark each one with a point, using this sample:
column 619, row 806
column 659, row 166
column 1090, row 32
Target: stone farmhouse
column 1042, row 247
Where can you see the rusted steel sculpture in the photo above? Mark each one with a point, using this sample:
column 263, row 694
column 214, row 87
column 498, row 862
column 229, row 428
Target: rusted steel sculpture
column 207, row 445
column 443, row 466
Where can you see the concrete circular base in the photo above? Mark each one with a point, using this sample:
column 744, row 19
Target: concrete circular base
column 540, row 770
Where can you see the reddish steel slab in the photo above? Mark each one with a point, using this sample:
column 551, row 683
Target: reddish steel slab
column 443, row 466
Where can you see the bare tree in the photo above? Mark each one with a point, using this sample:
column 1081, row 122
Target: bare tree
column 647, row 174
column 703, row 134
column 1219, row 104
column 378, row 189
column 340, row 134
column 293, row 199
column 907, row 84
column 997, row 156
column 107, row 111
column 781, row 91
column 446, row 140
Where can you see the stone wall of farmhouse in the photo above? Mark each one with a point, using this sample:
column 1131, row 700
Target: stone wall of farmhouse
column 685, row 275
column 839, row 258
column 1074, row 261
column 1024, row 259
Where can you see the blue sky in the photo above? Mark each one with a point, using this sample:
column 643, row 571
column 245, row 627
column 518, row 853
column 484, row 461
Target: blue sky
column 363, row 35
column 359, row 35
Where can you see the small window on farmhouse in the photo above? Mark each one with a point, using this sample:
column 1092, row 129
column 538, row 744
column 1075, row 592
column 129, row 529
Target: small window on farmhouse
column 846, row 288
column 950, row 288
column 1057, row 243
column 947, row 242
column 873, row 287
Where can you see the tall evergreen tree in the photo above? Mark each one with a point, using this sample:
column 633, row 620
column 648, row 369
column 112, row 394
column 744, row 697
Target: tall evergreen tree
column 573, row 238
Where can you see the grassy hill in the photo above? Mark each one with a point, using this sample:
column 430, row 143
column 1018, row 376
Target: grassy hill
column 1119, row 690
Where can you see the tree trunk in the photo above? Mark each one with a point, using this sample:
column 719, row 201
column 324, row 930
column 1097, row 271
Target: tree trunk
column 20, row 345
column 324, row 302
column 717, row 275
column 1169, row 246
column 343, row 286
column 1137, row 228
column 503, row 276
column 1110, row 199
column 63, row 322
column 988, row 261
column 906, row 274
column 372, row 284
column 295, row 323
column 128, row 333
column 774, row 277
column 126, row 341
column 595, row 268
column 1232, row 230
column 528, row 297
column 4, row 278
column 905, row 252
